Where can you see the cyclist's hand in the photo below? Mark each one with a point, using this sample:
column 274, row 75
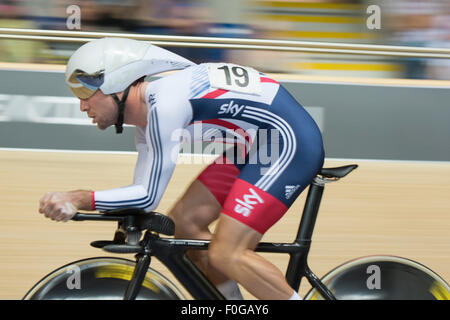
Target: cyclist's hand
column 57, row 206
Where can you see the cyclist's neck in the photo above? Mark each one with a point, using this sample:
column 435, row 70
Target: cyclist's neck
column 136, row 107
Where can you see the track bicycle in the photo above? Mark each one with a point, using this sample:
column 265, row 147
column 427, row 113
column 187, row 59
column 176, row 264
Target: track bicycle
column 148, row 235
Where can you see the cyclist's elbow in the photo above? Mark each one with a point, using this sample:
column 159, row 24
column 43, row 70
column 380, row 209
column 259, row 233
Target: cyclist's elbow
column 150, row 201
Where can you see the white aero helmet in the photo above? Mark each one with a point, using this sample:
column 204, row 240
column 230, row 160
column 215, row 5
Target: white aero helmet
column 113, row 64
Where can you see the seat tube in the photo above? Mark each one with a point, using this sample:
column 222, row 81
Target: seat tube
column 310, row 212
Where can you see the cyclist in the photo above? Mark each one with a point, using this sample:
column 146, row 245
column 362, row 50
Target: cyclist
column 277, row 152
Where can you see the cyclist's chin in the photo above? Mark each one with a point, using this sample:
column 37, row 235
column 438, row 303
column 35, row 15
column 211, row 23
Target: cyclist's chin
column 102, row 126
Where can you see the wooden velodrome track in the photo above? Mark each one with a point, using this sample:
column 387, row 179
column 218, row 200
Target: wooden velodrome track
column 395, row 208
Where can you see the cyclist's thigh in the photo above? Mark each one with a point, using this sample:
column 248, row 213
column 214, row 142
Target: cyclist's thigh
column 220, row 175
column 202, row 202
column 231, row 234
column 197, row 206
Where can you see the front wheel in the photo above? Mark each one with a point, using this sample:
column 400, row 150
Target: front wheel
column 101, row 279
column 383, row 278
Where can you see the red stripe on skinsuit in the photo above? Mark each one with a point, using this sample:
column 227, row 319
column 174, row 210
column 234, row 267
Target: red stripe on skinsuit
column 214, row 94
column 263, row 79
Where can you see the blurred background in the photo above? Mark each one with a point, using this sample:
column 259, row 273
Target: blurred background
column 402, row 22
column 367, row 107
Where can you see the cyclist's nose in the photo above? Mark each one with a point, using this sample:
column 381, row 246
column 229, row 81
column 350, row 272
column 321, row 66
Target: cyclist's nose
column 84, row 105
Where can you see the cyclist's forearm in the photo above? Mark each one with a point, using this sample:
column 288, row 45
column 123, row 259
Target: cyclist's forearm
column 83, row 199
column 134, row 195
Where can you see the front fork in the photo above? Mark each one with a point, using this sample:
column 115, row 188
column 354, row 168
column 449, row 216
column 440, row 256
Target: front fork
column 179, row 264
column 135, row 284
column 143, row 260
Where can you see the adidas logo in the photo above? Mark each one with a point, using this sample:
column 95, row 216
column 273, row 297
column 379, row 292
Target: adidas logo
column 290, row 190
column 152, row 99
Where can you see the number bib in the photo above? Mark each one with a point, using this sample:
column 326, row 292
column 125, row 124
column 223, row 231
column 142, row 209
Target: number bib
column 234, row 78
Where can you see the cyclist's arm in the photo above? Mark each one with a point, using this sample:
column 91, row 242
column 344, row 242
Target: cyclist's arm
column 62, row 206
column 82, row 199
column 157, row 154
column 139, row 194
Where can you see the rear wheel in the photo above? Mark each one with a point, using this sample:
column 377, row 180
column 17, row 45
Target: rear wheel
column 101, row 279
column 383, row 278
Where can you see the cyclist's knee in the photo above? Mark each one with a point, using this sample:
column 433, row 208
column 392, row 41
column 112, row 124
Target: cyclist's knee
column 190, row 214
column 192, row 217
column 231, row 243
column 222, row 256
column 218, row 259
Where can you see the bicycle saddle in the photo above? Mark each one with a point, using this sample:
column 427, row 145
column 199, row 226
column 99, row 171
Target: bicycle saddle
column 337, row 172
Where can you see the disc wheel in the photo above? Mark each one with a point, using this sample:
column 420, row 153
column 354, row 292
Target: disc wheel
column 383, row 278
column 101, row 279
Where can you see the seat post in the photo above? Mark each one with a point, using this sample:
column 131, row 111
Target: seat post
column 310, row 212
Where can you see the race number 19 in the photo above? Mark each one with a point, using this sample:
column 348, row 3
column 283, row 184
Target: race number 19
column 234, row 78
column 240, row 75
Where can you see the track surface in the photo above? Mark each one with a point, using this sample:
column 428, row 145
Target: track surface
column 395, row 208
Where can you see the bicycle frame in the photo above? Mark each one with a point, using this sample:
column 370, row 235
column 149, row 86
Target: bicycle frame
column 172, row 253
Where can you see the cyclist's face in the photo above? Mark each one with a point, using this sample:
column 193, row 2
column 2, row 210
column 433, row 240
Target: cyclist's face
column 101, row 108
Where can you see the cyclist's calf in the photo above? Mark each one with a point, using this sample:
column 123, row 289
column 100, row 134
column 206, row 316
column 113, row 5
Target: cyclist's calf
column 230, row 244
column 192, row 215
column 232, row 252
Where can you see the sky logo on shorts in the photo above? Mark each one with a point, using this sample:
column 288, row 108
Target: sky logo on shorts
column 246, row 205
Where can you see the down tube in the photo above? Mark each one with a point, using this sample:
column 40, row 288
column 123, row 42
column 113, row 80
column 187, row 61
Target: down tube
column 191, row 277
